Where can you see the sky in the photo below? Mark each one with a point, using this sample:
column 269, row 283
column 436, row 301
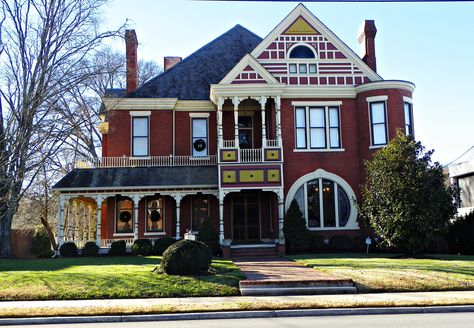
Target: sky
column 430, row 44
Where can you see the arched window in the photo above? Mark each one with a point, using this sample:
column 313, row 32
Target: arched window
column 301, row 52
column 325, row 200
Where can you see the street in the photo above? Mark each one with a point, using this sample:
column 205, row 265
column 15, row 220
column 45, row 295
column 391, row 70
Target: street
column 433, row 320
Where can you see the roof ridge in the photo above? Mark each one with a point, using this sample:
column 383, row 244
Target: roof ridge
column 192, row 55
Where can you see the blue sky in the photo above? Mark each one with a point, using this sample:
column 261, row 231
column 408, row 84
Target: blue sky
column 429, row 44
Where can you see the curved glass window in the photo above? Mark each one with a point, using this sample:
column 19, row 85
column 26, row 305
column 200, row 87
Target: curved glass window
column 301, row 52
column 324, row 203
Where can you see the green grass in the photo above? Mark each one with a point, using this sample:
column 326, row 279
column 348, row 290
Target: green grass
column 383, row 273
column 109, row 277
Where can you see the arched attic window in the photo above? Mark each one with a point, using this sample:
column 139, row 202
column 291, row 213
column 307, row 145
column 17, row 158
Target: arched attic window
column 301, row 52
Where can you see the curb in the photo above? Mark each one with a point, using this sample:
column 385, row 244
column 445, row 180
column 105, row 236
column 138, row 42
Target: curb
column 237, row 315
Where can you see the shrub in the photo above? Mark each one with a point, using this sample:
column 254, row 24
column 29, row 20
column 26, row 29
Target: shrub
column 118, row 248
column 316, row 243
column 41, row 243
column 142, row 247
column 341, row 242
column 209, row 236
column 186, row 257
column 68, row 249
column 162, row 244
column 294, row 228
column 359, row 245
column 90, row 249
column 460, row 235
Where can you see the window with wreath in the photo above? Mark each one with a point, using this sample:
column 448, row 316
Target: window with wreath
column 324, row 203
column 124, row 215
column 200, row 211
column 154, row 215
column 199, row 140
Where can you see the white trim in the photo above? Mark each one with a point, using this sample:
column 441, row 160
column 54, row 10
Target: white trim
column 376, row 99
column 154, row 233
column 322, row 174
column 195, row 106
column 387, row 136
column 389, row 84
column 199, row 115
column 139, row 103
column 316, row 103
column 301, row 10
column 336, row 91
column 140, row 113
column 163, row 215
column 115, row 234
column 304, row 44
column 248, row 60
column 408, row 100
column 138, row 188
column 324, row 150
column 377, row 147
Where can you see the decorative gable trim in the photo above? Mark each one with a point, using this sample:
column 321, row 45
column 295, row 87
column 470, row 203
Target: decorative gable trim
column 241, row 73
column 301, row 12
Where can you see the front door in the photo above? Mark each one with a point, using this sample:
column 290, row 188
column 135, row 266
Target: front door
column 246, row 218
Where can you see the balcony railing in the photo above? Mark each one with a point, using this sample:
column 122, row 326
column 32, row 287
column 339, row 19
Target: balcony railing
column 250, row 155
column 107, row 162
column 272, row 143
column 228, row 143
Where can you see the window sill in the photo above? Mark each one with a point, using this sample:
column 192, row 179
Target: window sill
column 161, row 233
column 377, row 147
column 324, row 150
column 128, row 234
column 333, row 228
column 139, row 157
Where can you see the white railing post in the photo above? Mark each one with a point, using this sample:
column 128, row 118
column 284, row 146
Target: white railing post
column 278, row 121
column 236, row 120
column 263, row 101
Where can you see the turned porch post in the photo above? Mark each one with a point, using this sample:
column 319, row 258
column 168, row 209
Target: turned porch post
column 99, row 200
column 281, row 215
column 278, row 121
column 263, row 101
column 177, row 198
column 136, row 201
column 220, row 133
column 236, row 120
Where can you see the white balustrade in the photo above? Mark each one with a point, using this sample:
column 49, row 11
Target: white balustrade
column 108, row 242
column 228, row 143
column 272, row 143
column 104, row 162
column 250, row 155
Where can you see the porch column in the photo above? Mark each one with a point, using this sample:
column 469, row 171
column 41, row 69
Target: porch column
column 236, row 120
column 177, row 197
column 99, row 199
column 89, row 210
column 278, row 120
column 263, row 101
column 221, row 218
column 83, row 211
column 60, row 221
column 281, row 215
column 69, row 220
column 76, row 221
column 220, row 134
column 136, row 201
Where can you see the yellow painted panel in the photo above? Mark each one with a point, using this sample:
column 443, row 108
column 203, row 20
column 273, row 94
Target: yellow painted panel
column 272, row 155
column 251, row 176
column 229, row 155
column 229, row 177
column 273, row 175
column 300, row 26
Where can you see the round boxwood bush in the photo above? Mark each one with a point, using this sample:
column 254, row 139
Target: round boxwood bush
column 90, row 249
column 68, row 249
column 162, row 244
column 142, row 247
column 186, row 257
column 118, row 248
column 41, row 243
column 341, row 243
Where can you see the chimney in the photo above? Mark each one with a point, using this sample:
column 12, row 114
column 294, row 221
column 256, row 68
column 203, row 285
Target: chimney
column 367, row 34
column 131, row 45
column 170, row 61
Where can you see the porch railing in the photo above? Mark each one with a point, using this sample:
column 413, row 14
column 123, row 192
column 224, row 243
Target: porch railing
column 104, row 162
column 250, row 155
column 228, row 144
column 272, row 143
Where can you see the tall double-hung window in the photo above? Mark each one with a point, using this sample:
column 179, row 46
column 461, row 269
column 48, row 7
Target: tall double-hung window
column 199, row 141
column 378, row 123
column 140, row 135
column 317, row 127
column 408, row 111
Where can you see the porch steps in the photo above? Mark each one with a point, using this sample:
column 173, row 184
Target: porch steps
column 282, row 287
column 257, row 251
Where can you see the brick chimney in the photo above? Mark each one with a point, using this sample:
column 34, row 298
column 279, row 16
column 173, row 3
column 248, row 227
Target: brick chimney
column 170, row 61
column 131, row 45
column 367, row 34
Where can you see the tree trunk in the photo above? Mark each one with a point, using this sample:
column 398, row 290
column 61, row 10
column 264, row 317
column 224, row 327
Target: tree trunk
column 50, row 233
column 5, row 235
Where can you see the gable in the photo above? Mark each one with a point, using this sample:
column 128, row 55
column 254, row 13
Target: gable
column 334, row 63
column 248, row 71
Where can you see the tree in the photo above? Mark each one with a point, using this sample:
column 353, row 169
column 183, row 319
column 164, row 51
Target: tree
column 295, row 230
column 44, row 43
column 405, row 199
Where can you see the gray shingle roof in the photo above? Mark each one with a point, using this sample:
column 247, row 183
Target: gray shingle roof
column 180, row 176
column 191, row 78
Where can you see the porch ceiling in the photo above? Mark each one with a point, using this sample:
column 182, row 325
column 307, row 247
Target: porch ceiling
column 106, row 178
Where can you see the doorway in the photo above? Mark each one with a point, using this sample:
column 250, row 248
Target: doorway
column 246, row 218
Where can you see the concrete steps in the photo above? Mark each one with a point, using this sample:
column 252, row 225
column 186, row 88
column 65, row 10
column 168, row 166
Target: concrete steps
column 303, row 287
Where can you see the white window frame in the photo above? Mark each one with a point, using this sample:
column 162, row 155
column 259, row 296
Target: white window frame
column 155, row 233
column 123, row 234
column 132, row 152
column 203, row 116
column 370, row 102
column 339, row 183
column 307, row 107
column 409, row 102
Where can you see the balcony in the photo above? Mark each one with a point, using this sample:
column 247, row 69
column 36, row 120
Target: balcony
column 109, row 162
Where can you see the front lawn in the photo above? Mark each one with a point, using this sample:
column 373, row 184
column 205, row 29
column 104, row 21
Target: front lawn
column 109, row 277
column 383, row 273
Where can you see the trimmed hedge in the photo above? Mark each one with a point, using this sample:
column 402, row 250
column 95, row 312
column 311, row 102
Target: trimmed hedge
column 41, row 243
column 68, row 249
column 90, row 249
column 341, row 243
column 186, row 257
column 160, row 245
column 118, row 248
column 209, row 236
column 142, row 247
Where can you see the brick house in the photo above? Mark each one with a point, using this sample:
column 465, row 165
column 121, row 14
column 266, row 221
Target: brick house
column 235, row 132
